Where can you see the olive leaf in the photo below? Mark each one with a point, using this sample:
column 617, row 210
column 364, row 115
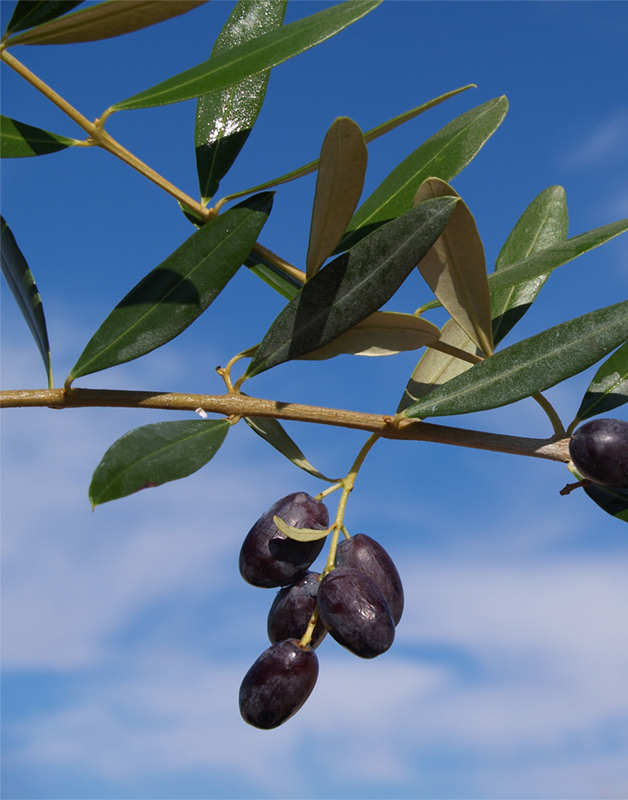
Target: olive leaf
column 443, row 155
column 252, row 57
column 180, row 289
column 22, row 284
column 529, row 366
column 301, row 534
column 339, row 183
column 383, row 333
column 353, row 286
column 544, row 223
column 613, row 501
column 274, row 433
column 608, row 389
column 455, row 268
column 437, row 367
column 28, row 13
column 154, row 454
column 104, row 20
column 225, row 119
column 19, row 140
column 279, row 280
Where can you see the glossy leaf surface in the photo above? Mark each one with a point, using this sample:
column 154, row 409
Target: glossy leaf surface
column 154, row 454
column 339, row 184
column 455, row 268
column 609, row 388
column 369, row 136
column 175, row 293
column 19, row 140
column 383, row 333
column 275, row 434
column 552, row 257
column 224, row 119
column 252, row 57
column 27, row 13
column 353, row 286
column 613, row 501
column 544, row 223
column 105, row 20
column 443, row 156
column 530, row 366
column 436, row 367
column 23, row 287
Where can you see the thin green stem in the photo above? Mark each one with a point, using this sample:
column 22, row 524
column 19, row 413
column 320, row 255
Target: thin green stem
column 551, row 412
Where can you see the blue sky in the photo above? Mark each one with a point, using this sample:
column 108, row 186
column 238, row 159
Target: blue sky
column 127, row 631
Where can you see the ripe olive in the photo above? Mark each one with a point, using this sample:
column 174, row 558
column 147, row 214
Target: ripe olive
column 278, row 684
column 599, row 451
column 292, row 609
column 355, row 612
column 363, row 553
column 268, row 558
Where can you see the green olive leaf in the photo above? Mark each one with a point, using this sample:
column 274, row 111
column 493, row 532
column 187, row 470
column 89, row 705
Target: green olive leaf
column 22, row 284
column 339, row 184
column 301, row 534
column 437, row 367
column 613, row 501
column 609, row 388
column 353, row 286
column 175, row 293
column 28, row 13
column 19, row 140
column 154, row 454
column 225, row 119
column 105, row 20
column 384, row 333
column 529, row 366
column 252, row 57
column 455, row 268
column 544, row 223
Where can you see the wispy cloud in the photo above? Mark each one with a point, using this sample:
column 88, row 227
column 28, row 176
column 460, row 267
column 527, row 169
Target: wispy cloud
column 607, row 141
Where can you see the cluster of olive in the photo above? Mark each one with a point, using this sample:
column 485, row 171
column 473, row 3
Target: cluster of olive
column 599, row 451
column 358, row 603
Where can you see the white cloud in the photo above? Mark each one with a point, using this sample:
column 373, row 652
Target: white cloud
column 606, row 142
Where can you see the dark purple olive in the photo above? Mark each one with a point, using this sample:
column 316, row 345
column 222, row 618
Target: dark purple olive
column 355, row 612
column 292, row 609
column 599, row 451
column 363, row 553
column 268, row 558
column 278, row 684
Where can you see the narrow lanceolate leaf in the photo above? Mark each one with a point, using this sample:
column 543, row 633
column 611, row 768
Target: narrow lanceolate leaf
column 530, row 366
column 176, row 292
column 300, row 534
column 547, row 260
column 437, row 367
column 286, row 285
column 155, row 454
column 224, row 119
column 384, row 333
column 29, row 13
column 455, row 268
column 353, row 286
column 444, row 155
column 19, row 140
column 274, row 433
column 339, row 184
column 252, row 57
column 609, row 388
column 369, row 136
column 613, row 501
column 23, row 287
column 544, row 223
column 104, row 20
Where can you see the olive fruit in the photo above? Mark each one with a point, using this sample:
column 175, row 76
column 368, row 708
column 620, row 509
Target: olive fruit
column 355, row 612
column 268, row 558
column 278, row 684
column 599, row 451
column 292, row 610
column 363, row 553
